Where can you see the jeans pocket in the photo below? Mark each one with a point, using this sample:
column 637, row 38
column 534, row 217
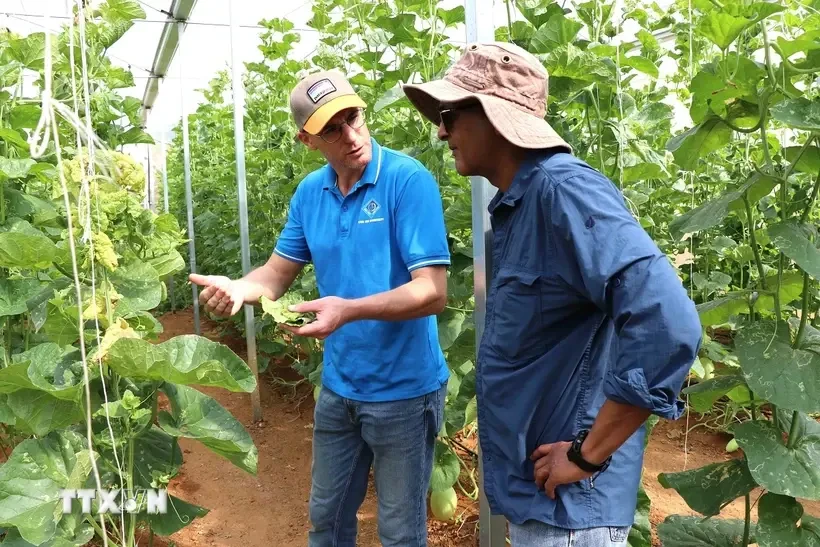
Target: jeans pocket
column 618, row 534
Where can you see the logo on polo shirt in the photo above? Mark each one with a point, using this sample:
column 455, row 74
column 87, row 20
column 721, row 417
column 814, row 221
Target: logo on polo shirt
column 371, row 208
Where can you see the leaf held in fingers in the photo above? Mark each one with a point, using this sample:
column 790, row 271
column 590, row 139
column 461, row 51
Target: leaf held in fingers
column 278, row 309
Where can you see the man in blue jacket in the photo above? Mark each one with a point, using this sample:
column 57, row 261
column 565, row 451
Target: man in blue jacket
column 588, row 328
column 372, row 224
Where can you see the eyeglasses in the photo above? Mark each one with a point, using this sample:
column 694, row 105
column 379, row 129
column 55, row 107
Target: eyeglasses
column 448, row 116
column 333, row 132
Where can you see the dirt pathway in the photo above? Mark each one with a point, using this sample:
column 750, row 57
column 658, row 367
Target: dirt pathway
column 270, row 509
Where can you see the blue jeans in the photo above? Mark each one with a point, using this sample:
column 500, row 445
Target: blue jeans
column 539, row 534
column 398, row 439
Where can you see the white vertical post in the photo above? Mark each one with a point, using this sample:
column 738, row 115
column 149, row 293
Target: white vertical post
column 186, row 147
column 165, row 209
column 479, row 23
column 239, row 144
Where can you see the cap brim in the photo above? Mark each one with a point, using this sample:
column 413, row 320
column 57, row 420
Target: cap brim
column 518, row 127
column 319, row 119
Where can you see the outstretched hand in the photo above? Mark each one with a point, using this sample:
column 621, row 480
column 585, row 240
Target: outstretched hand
column 331, row 313
column 221, row 296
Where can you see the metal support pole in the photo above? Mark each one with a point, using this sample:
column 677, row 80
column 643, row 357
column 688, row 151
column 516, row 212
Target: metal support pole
column 186, row 147
column 165, row 209
column 239, row 144
column 479, row 19
column 149, row 189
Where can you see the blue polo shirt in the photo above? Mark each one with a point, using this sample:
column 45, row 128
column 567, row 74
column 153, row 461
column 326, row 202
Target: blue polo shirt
column 368, row 242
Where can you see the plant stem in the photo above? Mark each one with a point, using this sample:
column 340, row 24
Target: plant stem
column 799, row 155
column 793, row 429
column 132, row 521
column 753, row 239
column 509, row 20
column 7, row 356
column 2, row 202
column 813, row 196
column 747, row 526
column 804, row 315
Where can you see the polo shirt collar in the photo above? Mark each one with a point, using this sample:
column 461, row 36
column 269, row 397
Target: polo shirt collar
column 371, row 172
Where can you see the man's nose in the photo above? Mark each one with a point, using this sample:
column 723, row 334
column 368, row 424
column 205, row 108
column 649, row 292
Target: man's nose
column 442, row 131
column 348, row 133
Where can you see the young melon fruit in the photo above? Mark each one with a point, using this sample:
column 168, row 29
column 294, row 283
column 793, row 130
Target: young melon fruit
column 731, row 446
column 443, row 503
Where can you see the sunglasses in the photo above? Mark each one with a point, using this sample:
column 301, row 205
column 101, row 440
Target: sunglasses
column 448, row 116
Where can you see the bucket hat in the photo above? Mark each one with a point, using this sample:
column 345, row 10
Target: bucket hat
column 510, row 83
column 319, row 97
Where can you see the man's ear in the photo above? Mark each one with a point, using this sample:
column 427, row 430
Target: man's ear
column 306, row 140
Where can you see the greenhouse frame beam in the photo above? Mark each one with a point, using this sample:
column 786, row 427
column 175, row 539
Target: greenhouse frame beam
column 479, row 19
column 167, row 48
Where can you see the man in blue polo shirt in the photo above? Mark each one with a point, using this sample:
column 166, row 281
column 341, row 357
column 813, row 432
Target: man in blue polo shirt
column 588, row 328
column 372, row 224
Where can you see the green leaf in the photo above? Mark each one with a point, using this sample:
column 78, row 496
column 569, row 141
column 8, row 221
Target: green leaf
column 139, row 284
column 725, row 27
column 799, row 113
column 791, row 240
column 777, row 468
column 640, row 535
column 554, row 33
column 698, row 142
column 450, row 328
column 538, row 12
column 39, row 413
column 280, row 313
column 46, row 367
column 186, row 359
column 180, row 514
column 712, row 213
column 720, row 310
column 168, row 264
column 704, row 394
column 804, row 43
column 14, row 293
column 144, row 323
column 777, row 525
column 121, row 10
column 135, row 135
column 25, row 116
column 24, row 246
column 471, row 413
column 809, row 161
column 451, row 16
column 13, row 137
column 446, row 468
column 709, row 489
column 680, row 531
column 15, row 168
column 31, row 481
column 641, row 64
column 197, row 416
column 789, row 378
column 156, row 453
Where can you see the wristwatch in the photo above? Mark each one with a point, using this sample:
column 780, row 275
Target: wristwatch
column 574, row 455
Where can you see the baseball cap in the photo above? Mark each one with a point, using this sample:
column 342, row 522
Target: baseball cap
column 319, row 97
column 511, row 84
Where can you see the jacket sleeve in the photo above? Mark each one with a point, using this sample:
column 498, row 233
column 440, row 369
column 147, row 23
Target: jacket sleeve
column 605, row 255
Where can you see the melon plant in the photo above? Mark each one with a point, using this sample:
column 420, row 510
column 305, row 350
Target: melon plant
column 125, row 255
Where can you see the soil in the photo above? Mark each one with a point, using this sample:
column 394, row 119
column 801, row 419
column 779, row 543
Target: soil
column 270, row 509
